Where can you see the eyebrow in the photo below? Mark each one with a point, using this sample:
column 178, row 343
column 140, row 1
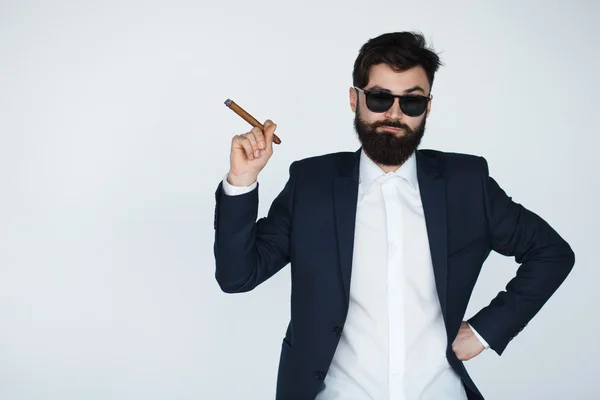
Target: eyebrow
column 409, row 90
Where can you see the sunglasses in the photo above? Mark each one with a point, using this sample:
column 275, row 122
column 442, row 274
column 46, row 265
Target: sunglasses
column 410, row 104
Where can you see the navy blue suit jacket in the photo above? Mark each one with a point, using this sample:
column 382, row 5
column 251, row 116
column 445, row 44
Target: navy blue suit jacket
column 310, row 225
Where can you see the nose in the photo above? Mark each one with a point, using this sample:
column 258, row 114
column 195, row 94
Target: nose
column 394, row 113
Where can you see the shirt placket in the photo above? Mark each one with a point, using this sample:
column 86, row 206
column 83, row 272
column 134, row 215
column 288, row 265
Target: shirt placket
column 394, row 292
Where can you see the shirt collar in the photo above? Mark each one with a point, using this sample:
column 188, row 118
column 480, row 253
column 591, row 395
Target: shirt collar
column 370, row 171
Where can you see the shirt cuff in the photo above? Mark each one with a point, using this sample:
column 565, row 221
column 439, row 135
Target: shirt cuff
column 231, row 190
column 482, row 340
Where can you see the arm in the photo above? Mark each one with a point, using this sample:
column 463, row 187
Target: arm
column 248, row 252
column 545, row 258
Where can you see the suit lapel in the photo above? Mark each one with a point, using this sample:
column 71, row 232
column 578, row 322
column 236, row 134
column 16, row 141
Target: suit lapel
column 432, row 186
column 345, row 193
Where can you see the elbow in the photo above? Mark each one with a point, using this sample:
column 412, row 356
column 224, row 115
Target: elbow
column 569, row 254
column 233, row 289
column 567, row 259
column 229, row 289
column 226, row 287
column 231, row 286
column 570, row 258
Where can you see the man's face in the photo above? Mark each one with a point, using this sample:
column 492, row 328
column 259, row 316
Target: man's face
column 390, row 137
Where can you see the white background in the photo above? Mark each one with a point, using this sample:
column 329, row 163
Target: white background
column 114, row 137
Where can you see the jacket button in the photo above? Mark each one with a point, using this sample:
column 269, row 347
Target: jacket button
column 319, row 375
column 337, row 331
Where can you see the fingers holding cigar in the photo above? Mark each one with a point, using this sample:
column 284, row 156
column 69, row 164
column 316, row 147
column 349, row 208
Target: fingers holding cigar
column 255, row 136
column 268, row 134
column 261, row 140
column 250, row 152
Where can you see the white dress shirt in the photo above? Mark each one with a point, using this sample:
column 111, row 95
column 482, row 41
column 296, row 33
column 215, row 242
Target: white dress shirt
column 393, row 344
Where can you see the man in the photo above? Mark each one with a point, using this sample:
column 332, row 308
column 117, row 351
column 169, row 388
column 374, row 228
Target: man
column 385, row 246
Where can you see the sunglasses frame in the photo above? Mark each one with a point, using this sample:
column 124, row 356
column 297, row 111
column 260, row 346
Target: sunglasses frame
column 393, row 96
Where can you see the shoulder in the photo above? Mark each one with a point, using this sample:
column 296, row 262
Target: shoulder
column 452, row 164
column 329, row 158
column 323, row 164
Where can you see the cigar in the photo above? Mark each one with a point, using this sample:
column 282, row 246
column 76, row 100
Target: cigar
column 248, row 118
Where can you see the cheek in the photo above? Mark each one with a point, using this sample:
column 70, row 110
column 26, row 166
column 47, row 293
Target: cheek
column 367, row 116
column 372, row 117
column 414, row 122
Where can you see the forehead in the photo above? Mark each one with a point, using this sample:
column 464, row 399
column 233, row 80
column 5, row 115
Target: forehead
column 384, row 76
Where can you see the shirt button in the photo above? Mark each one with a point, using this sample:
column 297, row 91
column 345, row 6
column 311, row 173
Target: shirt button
column 337, row 331
column 320, row 375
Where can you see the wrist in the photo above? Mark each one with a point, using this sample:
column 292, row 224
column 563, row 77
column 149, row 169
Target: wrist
column 236, row 180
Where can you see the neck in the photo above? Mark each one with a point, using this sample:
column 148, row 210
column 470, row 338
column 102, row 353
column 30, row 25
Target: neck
column 388, row 168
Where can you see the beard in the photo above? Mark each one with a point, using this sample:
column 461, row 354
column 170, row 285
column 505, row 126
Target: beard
column 385, row 148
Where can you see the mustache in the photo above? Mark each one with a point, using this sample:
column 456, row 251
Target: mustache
column 393, row 124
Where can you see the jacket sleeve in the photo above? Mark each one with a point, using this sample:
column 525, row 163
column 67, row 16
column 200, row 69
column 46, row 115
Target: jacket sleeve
column 248, row 252
column 545, row 261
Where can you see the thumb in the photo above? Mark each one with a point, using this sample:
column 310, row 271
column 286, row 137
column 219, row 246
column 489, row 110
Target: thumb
column 269, row 132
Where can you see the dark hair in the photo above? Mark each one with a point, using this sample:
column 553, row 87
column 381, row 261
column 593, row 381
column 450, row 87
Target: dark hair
column 399, row 50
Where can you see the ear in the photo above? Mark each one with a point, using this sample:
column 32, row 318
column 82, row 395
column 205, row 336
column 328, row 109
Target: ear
column 353, row 99
column 429, row 106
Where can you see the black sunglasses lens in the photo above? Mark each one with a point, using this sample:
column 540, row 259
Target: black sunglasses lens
column 379, row 102
column 413, row 106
